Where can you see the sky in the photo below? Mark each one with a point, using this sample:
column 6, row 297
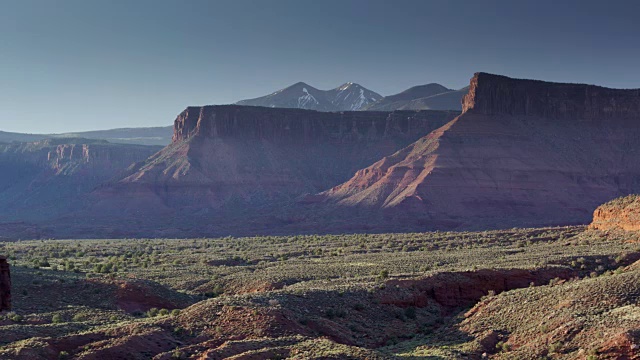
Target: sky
column 77, row 65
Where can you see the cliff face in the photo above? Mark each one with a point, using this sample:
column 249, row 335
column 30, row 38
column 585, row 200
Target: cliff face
column 523, row 153
column 99, row 157
column 294, row 126
column 230, row 159
column 5, row 284
column 622, row 214
column 43, row 178
column 60, row 154
column 499, row 95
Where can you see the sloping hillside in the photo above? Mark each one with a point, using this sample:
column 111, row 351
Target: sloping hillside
column 423, row 97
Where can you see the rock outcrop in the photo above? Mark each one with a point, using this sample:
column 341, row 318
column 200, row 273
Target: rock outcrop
column 455, row 290
column 5, row 284
column 523, row 153
column 622, row 213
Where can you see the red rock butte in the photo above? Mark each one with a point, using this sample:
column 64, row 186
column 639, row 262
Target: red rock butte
column 523, row 153
column 248, row 157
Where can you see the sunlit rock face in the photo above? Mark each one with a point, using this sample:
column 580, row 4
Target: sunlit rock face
column 622, row 214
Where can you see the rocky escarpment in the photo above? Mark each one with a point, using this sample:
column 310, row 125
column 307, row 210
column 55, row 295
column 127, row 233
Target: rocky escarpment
column 237, row 161
column 46, row 178
column 5, row 284
column 294, row 126
column 524, row 153
column 622, row 213
column 59, row 154
column 252, row 153
column 499, row 95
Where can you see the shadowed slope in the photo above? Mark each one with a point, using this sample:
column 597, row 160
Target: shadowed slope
column 46, row 178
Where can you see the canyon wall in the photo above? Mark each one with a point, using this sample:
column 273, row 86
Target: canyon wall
column 523, row 153
column 47, row 178
column 245, row 151
column 58, row 154
column 500, row 95
column 230, row 165
column 296, row 126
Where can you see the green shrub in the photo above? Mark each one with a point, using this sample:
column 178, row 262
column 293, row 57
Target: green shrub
column 384, row 274
column 555, row 347
column 410, row 312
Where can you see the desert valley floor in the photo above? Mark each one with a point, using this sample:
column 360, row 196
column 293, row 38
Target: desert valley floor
column 545, row 293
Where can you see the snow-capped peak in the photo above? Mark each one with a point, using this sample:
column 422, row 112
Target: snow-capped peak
column 347, row 97
column 345, row 86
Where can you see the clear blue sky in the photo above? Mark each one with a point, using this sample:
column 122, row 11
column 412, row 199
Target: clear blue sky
column 72, row 65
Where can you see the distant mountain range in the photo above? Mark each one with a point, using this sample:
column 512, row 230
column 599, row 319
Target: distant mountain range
column 354, row 97
column 347, row 97
column 139, row 136
column 423, row 97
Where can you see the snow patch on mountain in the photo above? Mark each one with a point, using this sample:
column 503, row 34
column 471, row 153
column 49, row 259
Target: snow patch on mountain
column 347, row 97
column 351, row 96
column 306, row 99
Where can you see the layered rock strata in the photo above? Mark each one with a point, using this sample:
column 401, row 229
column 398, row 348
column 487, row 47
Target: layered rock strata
column 523, row 153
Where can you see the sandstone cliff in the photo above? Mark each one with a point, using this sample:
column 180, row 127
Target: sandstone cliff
column 306, row 127
column 523, row 153
column 5, row 284
column 622, row 213
column 233, row 159
column 499, row 95
column 46, row 178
